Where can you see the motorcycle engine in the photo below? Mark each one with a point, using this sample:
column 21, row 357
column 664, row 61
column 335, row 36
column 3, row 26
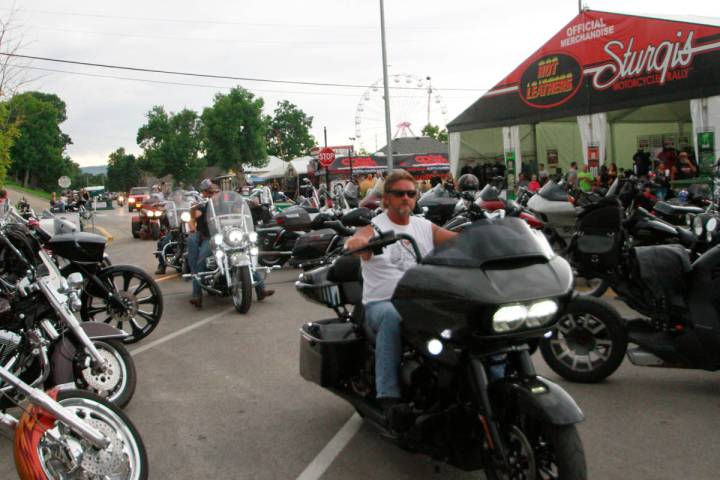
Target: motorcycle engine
column 9, row 344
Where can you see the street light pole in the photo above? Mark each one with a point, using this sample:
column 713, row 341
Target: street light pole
column 385, row 87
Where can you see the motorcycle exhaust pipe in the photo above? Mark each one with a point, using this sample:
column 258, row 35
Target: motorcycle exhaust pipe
column 273, row 252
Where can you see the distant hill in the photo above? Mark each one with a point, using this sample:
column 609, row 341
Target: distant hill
column 96, row 170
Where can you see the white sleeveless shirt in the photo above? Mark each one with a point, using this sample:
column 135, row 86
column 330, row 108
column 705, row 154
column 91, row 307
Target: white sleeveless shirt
column 382, row 273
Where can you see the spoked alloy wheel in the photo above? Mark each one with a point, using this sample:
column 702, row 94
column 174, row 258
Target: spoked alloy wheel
column 116, row 383
column 589, row 342
column 45, row 446
column 553, row 453
column 141, row 298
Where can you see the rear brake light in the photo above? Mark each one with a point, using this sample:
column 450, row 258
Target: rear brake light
column 280, row 220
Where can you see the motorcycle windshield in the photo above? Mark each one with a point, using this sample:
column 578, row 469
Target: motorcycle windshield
column 227, row 210
column 178, row 202
column 491, row 240
column 553, row 192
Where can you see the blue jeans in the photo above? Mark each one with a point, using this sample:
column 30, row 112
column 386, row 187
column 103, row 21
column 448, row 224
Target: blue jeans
column 198, row 251
column 385, row 320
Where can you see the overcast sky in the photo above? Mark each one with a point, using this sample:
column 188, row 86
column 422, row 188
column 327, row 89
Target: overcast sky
column 467, row 45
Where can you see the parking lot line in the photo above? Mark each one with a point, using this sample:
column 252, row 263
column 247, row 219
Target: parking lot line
column 182, row 331
column 167, row 277
column 327, row 455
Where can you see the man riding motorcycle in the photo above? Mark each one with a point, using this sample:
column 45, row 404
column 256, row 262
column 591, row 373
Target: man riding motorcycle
column 198, row 245
column 381, row 273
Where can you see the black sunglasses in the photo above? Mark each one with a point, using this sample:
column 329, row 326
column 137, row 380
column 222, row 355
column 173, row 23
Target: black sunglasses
column 400, row 193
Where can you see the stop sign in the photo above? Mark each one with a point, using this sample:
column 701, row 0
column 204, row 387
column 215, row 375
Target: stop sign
column 326, row 157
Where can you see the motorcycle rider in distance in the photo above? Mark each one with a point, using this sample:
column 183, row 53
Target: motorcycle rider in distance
column 381, row 273
column 198, row 245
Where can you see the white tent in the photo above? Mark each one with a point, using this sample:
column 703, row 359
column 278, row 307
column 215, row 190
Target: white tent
column 275, row 168
column 299, row 165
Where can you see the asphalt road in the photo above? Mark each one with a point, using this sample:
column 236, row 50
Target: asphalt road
column 219, row 396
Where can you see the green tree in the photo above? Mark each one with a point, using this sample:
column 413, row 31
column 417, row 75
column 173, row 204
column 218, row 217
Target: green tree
column 435, row 132
column 38, row 152
column 123, row 172
column 8, row 134
column 235, row 131
column 171, row 144
column 289, row 132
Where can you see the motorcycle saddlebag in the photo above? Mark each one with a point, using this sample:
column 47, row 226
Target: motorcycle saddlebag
column 294, row 218
column 599, row 239
column 330, row 352
column 313, row 244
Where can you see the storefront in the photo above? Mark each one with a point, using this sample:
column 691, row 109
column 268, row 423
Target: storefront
column 605, row 85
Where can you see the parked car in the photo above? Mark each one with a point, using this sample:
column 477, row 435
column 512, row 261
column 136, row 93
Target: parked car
column 137, row 196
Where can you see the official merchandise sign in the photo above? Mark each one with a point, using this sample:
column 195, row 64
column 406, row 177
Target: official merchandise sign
column 326, row 157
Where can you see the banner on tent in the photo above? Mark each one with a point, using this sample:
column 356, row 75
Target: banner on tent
column 601, row 62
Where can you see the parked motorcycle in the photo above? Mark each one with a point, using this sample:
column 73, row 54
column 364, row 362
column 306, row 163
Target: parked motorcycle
column 677, row 297
column 233, row 240
column 71, row 434
column 438, row 204
column 42, row 341
column 517, row 426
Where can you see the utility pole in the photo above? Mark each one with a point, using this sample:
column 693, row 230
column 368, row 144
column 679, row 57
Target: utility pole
column 325, row 132
column 385, row 88
column 429, row 92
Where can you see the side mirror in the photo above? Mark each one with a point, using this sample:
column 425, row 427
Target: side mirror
column 358, row 217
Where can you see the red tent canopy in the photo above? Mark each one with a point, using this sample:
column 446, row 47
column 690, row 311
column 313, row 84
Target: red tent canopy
column 600, row 62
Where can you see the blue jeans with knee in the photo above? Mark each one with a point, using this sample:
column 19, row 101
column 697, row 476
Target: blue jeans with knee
column 385, row 320
column 198, row 251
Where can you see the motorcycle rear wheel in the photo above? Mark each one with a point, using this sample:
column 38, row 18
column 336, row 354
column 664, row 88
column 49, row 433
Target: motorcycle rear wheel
column 272, row 260
column 241, row 289
column 38, row 456
column 137, row 289
column 556, row 454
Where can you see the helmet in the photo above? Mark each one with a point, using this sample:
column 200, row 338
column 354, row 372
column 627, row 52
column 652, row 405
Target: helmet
column 683, row 196
column 468, row 182
column 208, row 185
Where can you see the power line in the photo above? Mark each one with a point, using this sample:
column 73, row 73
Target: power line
column 204, row 85
column 221, row 77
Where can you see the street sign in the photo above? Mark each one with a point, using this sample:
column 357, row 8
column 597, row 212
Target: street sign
column 64, row 181
column 326, row 157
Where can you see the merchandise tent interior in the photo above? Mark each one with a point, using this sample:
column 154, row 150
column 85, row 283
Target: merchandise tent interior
column 605, row 85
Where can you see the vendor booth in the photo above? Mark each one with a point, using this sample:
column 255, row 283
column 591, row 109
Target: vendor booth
column 420, row 165
column 274, row 168
column 604, row 86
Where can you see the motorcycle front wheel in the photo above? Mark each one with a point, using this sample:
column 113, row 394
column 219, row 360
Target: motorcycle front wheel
column 589, row 342
column 116, row 383
column 242, row 289
column 542, row 452
column 46, row 448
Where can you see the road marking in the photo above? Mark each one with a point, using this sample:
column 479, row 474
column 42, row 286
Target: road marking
column 167, row 277
column 327, row 455
column 182, row 331
column 105, row 233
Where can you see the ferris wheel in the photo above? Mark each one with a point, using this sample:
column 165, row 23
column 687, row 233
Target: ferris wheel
column 414, row 103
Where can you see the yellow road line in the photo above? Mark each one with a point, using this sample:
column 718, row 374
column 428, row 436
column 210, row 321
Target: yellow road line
column 105, row 233
column 167, row 277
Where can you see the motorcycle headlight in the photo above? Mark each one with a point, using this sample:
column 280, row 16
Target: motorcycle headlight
column 185, row 216
column 252, row 236
column 541, row 312
column 509, row 318
column 697, row 226
column 234, row 236
column 254, row 251
column 218, row 239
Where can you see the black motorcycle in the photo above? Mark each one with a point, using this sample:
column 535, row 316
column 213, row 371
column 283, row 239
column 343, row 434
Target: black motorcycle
column 677, row 297
column 438, row 204
column 517, row 425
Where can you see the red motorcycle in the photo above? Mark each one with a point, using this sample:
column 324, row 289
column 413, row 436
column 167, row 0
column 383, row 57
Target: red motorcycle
column 146, row 224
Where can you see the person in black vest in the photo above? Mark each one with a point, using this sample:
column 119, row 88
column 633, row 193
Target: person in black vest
column 641, row 161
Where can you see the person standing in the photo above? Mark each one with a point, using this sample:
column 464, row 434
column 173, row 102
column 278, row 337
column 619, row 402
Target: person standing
column 572, row 175
column 534, row 184
column 641, row 163
column 683, row 169
column 585, row 179
column 543, row 175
